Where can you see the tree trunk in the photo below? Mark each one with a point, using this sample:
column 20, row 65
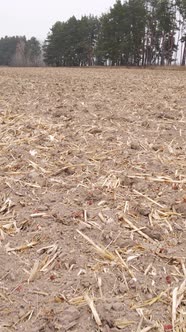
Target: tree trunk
column 184, row 55
column 163, row 51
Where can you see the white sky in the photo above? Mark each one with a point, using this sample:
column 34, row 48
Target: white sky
column 36, row 17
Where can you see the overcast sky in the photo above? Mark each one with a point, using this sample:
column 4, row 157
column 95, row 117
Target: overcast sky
column 36, row 17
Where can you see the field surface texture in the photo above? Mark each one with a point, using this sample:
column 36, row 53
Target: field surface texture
column 92, row 200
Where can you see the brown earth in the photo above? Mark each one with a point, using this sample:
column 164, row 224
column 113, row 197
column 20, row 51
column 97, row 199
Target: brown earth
column 92, row 200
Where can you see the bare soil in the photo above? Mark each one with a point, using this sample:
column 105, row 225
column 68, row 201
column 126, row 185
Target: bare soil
column 92, row 200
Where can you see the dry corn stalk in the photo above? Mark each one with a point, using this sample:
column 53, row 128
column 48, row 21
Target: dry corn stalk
column 92, row 307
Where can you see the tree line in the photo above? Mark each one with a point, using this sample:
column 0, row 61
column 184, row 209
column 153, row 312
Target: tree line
column 133, row 32
column 18, row 51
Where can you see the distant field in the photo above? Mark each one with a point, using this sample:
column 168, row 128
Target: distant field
column 92, row 200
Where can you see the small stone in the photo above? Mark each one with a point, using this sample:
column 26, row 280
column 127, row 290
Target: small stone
column 134, row 146
column 126, row 181
column 42, row 208
column 144, row 211
column 57, row 114
column 157, row 147
column 117, row 306
column 95, row 131
column 21, row 312
column 132, row 284
column 178, row 227
column 153, row 234
column 108, row 306
column 82, row 226
column 122, row 289
column 72, row 261
column 145, row 124
column 11, row 276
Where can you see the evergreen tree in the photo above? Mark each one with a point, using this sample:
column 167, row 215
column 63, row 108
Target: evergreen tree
column 72, row 43
column 137, row 22
column 53, row 45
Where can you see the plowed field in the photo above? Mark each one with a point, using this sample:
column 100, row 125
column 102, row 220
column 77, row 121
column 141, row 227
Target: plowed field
column 92, row 200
